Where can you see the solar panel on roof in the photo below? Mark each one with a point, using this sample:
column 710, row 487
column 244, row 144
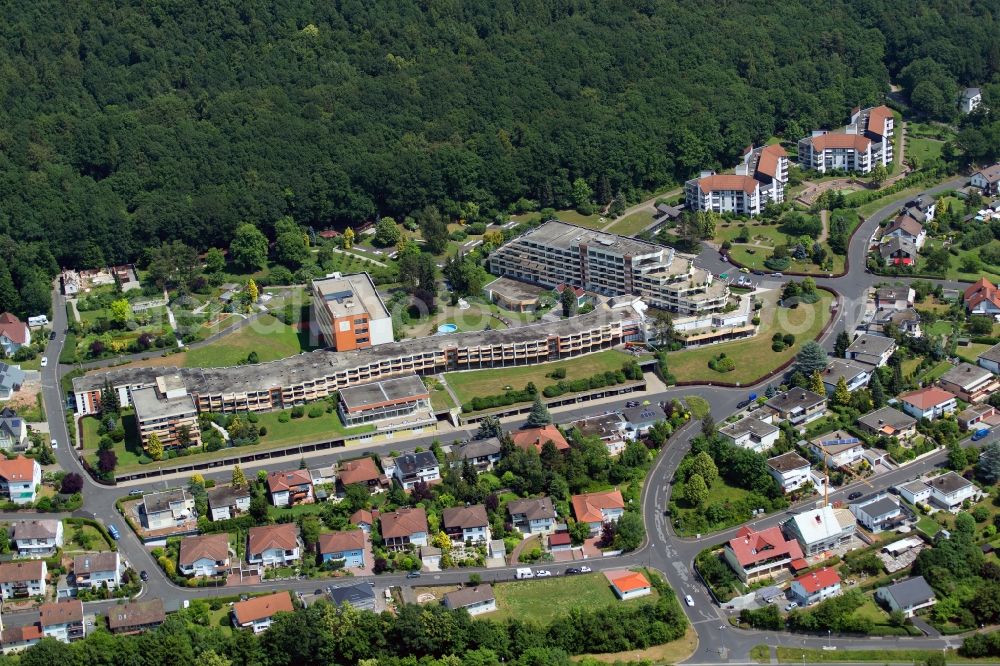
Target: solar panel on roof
column 339, row 295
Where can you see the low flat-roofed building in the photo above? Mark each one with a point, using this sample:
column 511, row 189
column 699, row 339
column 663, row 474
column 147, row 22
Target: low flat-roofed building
column 982, row 415
column 136, row 616
column 971, row 383
column 751, row 433
column 898, row 297
column 888, row 422
column 166, row 410
column 514, row 295
column 358, row 595
column 476, row 600
column 349, row 312
column 403, row 399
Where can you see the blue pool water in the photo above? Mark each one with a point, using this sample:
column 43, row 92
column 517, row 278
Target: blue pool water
column 447, row 328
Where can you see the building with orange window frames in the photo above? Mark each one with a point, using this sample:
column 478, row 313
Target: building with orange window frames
column 349, row 312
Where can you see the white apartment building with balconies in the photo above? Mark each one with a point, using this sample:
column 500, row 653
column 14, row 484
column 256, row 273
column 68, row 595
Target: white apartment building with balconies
column 760, row 178
column 865, row 142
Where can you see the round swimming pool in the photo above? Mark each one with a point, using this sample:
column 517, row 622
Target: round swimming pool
column 447, row 328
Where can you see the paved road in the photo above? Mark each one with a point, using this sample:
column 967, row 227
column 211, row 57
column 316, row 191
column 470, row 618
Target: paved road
column 663, row 550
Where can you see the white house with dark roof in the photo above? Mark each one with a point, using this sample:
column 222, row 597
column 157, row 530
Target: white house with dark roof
column 878, row 513
column 790, row 470
column 986, row 180
column 13, row 433
column 532, row 516
column 483, row 454
column 907, row 227
column 908, row 596
column 949, row 491
column 969, row 100
column 414, row 468
column 990, row 359
column 871, row 349
column 751, row 433
column 225, row 502
column 898, row 297
column 915, row 492
column 37, row 538
column 96, row 570
column 896, row 251
column 854, row 373
column 798, row 406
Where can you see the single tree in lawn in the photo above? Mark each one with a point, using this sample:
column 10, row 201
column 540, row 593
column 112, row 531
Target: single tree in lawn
column 841, row 345
column 539, row 415
column 106, row 461
column 810, row 358
column 704, row 466
column 154, row 447
column 696, row 490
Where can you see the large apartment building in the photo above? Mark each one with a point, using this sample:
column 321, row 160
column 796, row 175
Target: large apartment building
column 166, row 410
column 760, row 178
column 349, row 313
column 865, row 142
column 558, row 253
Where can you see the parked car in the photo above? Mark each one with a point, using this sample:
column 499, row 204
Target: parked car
column 55, row 445
column 982, row 432
column 45, row 361
column 855, row 495
column 524, row 572
column 543, row 573
column 777, row 275
column 688, row 600
column 413, row 574
column 792, row 605
column 52, row 335
column 744, row 269
column 742, row 403
column 585, row 569
column 631, row 403
column 113, row 531
column 572, row 570
column 134, row 493
column 143, row 576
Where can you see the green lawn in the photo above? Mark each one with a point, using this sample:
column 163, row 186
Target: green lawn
column 472, row 383
column 632, row 224
column 928, row 526
column 910, row 365
column 940, row 327
column 763, row 239
column 761, row 654
column 571, row 216
column 267, row 336
column 441, row 399
column 923, row 150
column 971, row 352
column 545, row 600
column 130, row 453
column 700, row 408
column 305, row 429
column 718, row 493
column 935, row 372
column 753, row 356
column 792, row 655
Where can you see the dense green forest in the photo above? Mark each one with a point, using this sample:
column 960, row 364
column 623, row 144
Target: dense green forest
column 125, row 124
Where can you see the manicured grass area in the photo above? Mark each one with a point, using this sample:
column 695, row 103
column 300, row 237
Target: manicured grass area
column 674, row 652
column 761, row 654
column 910, row 365
column 632, row 224
column 791, row 655
column 470, row 384
column 753, row 356
column 441, row 399
column 928, row 526
column 129, row 451
column 763, row 238
column 571, row 216
column 870, row 208
column 699, row 406
column 304, row 429
column 544, row 600
column 971, row 351
column 267, row 336
column 935, row 372
column 923, row 150
column 940, row 327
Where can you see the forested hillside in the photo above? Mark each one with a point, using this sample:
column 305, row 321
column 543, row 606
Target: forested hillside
column 127, row 123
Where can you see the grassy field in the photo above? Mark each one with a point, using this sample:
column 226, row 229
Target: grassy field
column 928, row 526
column 303, row 429
column 790, row 655
column 469, row 384
column 718, row 493
column 753, row 356
column 700, row 408
column 571, row 216
column 673, row 652
column 544, row 600
column 763, row 239
column 129, row 452
column 935, row 372
column 632, row 224
column 870, row 208
column 971, row 351
column 923, row 150
column 270, row 338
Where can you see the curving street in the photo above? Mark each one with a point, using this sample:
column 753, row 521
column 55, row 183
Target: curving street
column 663, row 550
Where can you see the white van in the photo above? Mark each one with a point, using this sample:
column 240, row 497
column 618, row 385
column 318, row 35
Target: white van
column 524, row 572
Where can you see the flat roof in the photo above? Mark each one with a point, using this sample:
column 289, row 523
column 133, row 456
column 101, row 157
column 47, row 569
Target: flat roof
column 965, row 374
column 568, row 236
column 786, row 462
column 149, row 405
column 515, row 290
column 350, row 295
column 866, row 343
column 749, row 424
column 386, row 391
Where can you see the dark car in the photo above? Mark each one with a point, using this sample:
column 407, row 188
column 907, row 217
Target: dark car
column 143, row 576
column 742, row 403
column 413, row 574
column 572, row 570
column 758, row 272
column 855, row 495
column 52, row 335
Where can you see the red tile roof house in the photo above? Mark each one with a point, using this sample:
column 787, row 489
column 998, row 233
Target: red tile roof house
column 63, row 620
column 274, row 545
column 362, row 470
column 22, row 579
column 816, row 586
column 258, row 613
column 595, row 509
column 628, row 584
column 204, row 555
column 19, row 479
column 290, row 488
column 536, row 438
column 16, row 639
column 404, row 527
column 928, row 403
column 14, row 333
column 758, row 555
column 982, row 298
column 348, row 546
column 363, row 519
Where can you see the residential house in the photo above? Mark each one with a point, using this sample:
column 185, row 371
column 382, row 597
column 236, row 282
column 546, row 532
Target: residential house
column 532, row 516
column 855, row 374
column 13, row 433
column 986, row 180
column 921, row 208
column 928, row 403
column 22, row 579
column 475, row 600
column 640, row 419
column 483, row 454
column 37, row 538
column 414, row 468
column 982, row 297
column 19, row 479
column 915, row 492
column 167, row 509
column 595, row 509
column 822, row 529
column 905, row 227
column 949, row 491
column 14, row 334
column 896, row 251
column 888, row 422
column 879, row 513
column 899, row 297
column 629, row 584
column 362, row 471
column 990, row 359
column 751, row 433
column 838, row 448
column 909, row 595
column 62, row 620
column 971, row 383
column 362, row 519
column 136, row 617
column 225, row 502
column 815, row 587
column 18, row 639
column 536, row 438
column 610, row 427
column 871, row 349
column 11, row 380
column 975, row 416
column 404, row 527
column 290, row 487
column 790, row 470
column 204, row 555
column 466, row 523
column 97, row 570
column 756, row 556
column 358, row 595
column 798, row 406
column 348, row 546
column 274, row 545
column 258, row 613
column 969, row 100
